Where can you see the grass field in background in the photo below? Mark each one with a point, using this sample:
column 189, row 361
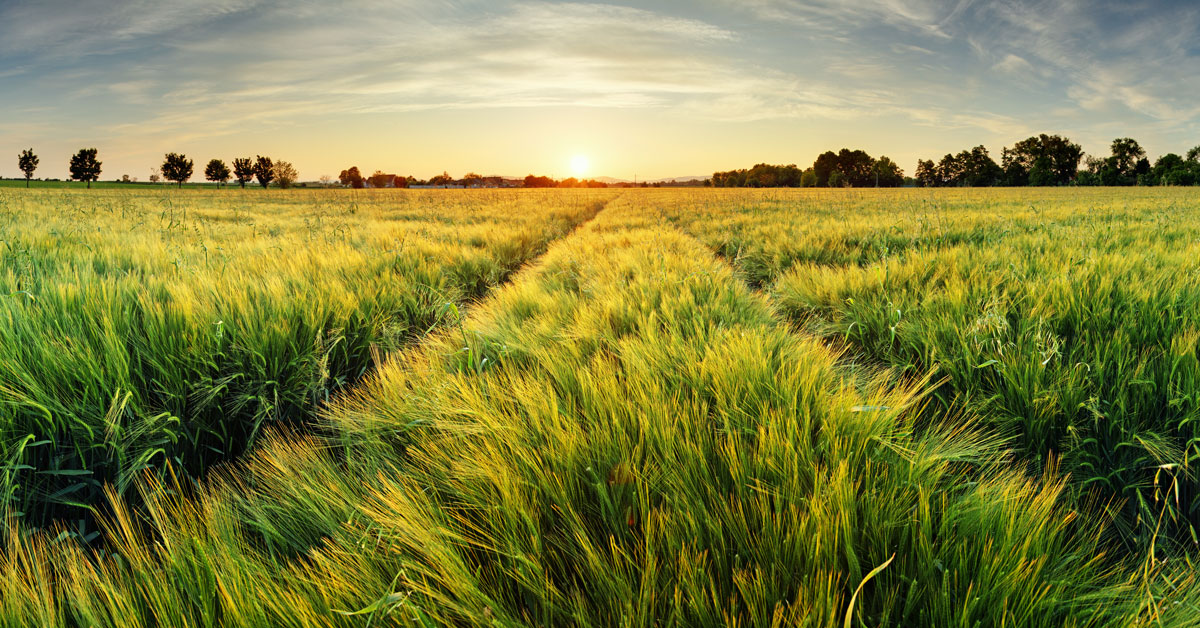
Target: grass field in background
column 690, row 408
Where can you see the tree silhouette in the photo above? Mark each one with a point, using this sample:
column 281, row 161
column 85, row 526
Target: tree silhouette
column 825, row 164
column 536, row 182
column 243, row 170
column 926, row 174
column 217, row 172
column 264, row 171
column 855, row 166
column 1041, row 160
column 887, row 173
column 177, row 167
column 379, row 179
column 85, row 166
column 970, row 168
column 1171, row 169
column 352, row 178
column 28, row 162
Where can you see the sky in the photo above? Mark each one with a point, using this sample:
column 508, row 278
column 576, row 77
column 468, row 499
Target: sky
column 650, row 89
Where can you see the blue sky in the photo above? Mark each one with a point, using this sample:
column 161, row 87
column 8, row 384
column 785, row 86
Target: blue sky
column 649, row 88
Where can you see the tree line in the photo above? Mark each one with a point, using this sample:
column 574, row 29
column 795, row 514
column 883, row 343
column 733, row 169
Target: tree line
column 353, row 178
column 1054, row 160
column 1042, row 160
column 177, row 168
column 845, row 168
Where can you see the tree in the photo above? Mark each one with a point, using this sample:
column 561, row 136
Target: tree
column 284, row 173
column 264, row 171
column 926, row 174
column 978, row 169
column 442, row 179
column 400, row 182
column 1087, row 178
column 825, row 164
column 379, row 179
column 1042, row 173
column 762, row 176
column 531, row 181
column 352, row 178
column 1125, row 154
column 27, row 162
column 217, row 172
column 837, row 179
column 243, row 170
column 1171, row 169
column 1055, row 158
column 1125, row 165
column 808, row 179
column 970, row 168
column 887, row 173
column 948, row 171
column 177, row 168
column 855, row 166
column 85, row 166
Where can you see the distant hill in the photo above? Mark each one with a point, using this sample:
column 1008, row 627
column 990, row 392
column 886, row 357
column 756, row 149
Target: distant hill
column 611, row 180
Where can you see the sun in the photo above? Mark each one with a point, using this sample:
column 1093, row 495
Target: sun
column 580, row 165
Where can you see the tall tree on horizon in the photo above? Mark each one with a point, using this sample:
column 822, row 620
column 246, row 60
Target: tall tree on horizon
column 264, row 171
column 1127, row 163
column 85, row 166
column 284, row 174
column 243, row 170
column 824, row 166
column 887, row 173
column 177, row 167
column 217, row 172
column 926, row 174
column 1041, row 160
column 351, row 177
column 28, row 163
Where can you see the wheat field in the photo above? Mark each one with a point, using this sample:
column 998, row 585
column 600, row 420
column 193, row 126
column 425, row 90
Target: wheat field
column 600, row 407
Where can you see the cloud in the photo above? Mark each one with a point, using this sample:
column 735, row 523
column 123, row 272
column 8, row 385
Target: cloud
column 170, row 71
column 282, row 64
column 67, row 28
column 1013, row 64
column 925, row 16
column 1133, row 57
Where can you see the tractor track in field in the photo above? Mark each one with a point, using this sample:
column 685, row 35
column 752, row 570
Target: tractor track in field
column 462, row 309
column 311, row 423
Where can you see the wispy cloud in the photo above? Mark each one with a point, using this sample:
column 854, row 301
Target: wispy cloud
column 925, row 16
column 152, row 73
